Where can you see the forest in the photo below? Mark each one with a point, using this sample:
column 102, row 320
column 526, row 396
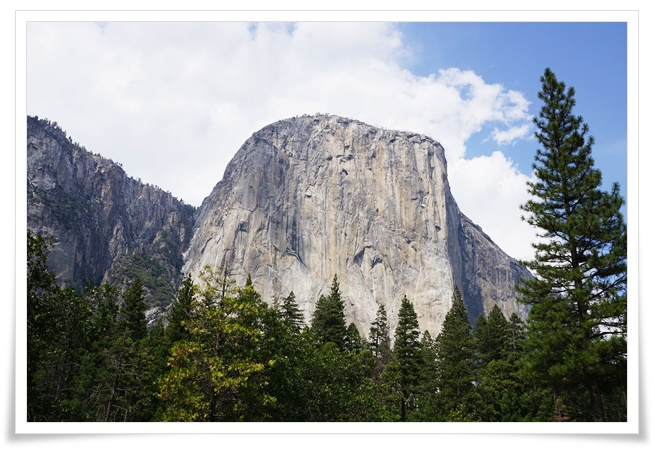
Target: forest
column 222, row 353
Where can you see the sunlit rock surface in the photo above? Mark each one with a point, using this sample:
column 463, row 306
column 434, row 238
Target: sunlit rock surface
column 314, row 196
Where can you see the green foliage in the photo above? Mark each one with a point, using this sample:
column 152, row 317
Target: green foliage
column 290, row 312
column 353, row 341
column 217, row 373
column 455, row 362
column 133, row 313
column 336, row 385
column 180, row 312
column 493, row 339
column 406, row 354
column 427, row 387
column 57, row 338
column 328, row 321
column 499, row 387
column 282, row 343
column 380, row 341
column 576, row 333
column 152, row 273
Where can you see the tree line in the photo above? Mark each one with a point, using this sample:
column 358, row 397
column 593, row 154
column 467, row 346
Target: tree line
column 223, row 354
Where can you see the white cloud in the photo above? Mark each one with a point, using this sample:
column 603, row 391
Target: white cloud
column 490, row 190
column 173, row 102
column 503, row 137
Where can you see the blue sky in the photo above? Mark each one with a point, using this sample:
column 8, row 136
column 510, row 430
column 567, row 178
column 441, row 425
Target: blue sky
column 591, row 57
column 173, row 101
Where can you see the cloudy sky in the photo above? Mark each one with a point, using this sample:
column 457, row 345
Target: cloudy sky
column 174, row 101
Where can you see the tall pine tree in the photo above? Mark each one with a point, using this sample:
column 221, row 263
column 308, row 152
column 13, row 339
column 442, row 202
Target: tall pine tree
column 329, row 321
column 133, row 313
column 576, row 330
column 180, row 313
column 291, row 314
column 455, row 362
column 380, row 341
column 406, row 353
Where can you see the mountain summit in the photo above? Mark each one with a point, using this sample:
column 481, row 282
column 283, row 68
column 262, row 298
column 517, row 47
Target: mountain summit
column 303, row 200
column 311, row 197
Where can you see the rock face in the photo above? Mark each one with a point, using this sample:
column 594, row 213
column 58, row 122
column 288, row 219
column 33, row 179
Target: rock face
column 109, row 227
column 302, row 200
column 314, row 196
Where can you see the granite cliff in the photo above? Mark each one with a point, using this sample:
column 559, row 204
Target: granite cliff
column 310, row 197
column 302, row 200
column 108, row 226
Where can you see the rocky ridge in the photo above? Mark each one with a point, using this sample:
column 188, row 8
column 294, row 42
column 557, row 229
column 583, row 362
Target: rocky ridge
column 310, row 197
column 302, row 200
column 108, row 226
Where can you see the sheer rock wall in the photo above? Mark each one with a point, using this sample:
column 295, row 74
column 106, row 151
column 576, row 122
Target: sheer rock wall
column 314, row 196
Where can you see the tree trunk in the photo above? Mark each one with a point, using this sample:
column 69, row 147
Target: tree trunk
column 596, row 401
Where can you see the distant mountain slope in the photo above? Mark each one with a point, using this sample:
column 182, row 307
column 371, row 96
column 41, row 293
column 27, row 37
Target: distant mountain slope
column 108, row 226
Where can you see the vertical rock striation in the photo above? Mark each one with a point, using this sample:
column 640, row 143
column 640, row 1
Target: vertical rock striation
column 109, row 227
column 314, row 196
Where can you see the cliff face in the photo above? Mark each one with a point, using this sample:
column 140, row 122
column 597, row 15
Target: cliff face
column 307, row 198
column 302, row 200
column 109, row 227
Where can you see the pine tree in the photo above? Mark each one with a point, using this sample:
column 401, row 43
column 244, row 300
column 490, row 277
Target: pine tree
column 218, row 373
column 180, row 313
column 576, row 330
column 455, row 362
column 380, row 341
column 406, row 354
column 427, row 387
column 133, row 312
column 498, row 388
column 353, row 341
column 494, row 344
column 290, row 312
column 57, row 340
column 41, row 298
column 329, row 322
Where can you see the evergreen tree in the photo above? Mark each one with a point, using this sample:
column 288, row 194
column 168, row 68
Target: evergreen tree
column 283, row 344
column 427, row 388
column 329, row 322
column 495, row 341
column 353, row 342
column 133, row 313
column 336, row 385
column 104, row 331
column 290, row 312
column 380, row 341
column 576, row 330
column 455, row 363
column 57, row 341
column 498, row 387
column 406, row 354
column 124, row 379
column 180, row 313
column 41, row 297
column 218, row 373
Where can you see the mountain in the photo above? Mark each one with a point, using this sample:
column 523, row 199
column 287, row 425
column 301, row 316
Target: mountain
column 302, row 200
column 108, row 226
column 313, row 196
